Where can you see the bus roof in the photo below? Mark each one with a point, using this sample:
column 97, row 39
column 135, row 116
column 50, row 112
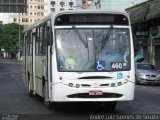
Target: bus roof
column 54, row 14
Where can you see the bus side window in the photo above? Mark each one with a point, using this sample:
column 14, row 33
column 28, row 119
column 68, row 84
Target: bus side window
column 29, row 43
column 41, row 36
column 37, row 40
column 44, row 40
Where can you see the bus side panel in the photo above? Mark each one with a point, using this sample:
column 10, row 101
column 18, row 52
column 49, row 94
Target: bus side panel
column 29, row 71
column 24, row 60
column 24, row 74
column 39, row 73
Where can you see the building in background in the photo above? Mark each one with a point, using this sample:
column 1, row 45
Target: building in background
column 146, row 28
column 5, row 17
column 1, row 22
column 12, row 6
column 117, row 5
column 36, row 10
column 61, row 5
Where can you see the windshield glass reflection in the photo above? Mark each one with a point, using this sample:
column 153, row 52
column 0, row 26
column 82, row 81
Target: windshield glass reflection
column 100, row 49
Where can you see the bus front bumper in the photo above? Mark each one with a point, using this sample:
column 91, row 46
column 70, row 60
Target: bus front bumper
column 64, row 93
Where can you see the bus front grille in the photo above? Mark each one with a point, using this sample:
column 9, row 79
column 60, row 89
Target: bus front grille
column 86, row 95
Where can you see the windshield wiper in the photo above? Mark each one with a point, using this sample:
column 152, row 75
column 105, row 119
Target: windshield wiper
column 80, row 37
column 104, row 41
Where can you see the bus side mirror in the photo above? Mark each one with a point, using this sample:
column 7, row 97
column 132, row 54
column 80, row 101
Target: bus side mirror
column 50, row 37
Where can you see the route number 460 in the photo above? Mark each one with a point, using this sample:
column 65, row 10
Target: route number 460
column 117, row 66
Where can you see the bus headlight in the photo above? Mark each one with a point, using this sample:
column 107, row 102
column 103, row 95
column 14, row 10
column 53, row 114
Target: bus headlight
column 77, row 85
column 70, row 84
column 113, row 84
column 119, row 83
column 64, row 82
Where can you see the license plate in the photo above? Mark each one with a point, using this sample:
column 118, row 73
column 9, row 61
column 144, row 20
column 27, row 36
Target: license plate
column 95, row 93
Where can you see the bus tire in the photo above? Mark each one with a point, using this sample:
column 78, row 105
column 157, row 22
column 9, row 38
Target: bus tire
column 136, row 81
column 110, row 106
column 29, row 87
column 47, row 103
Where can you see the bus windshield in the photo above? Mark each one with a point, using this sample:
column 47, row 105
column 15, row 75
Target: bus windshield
column 93, row 49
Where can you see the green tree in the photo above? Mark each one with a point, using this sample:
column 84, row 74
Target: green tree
column 9, row 37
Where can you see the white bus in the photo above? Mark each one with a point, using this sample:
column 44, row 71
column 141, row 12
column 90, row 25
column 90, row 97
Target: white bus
column 80, row 56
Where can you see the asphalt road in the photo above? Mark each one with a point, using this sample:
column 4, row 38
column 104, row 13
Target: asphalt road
column 15, row 102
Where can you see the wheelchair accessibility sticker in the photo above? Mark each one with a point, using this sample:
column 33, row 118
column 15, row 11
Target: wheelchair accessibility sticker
column 100, row 65
column 119, row 75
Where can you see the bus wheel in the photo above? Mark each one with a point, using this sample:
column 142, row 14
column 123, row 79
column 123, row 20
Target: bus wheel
column 29, row 88
column 47, row 103
column 110, row 106
column 136, row 81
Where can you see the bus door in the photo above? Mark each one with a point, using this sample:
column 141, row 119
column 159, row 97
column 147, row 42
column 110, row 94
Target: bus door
column 47, row 60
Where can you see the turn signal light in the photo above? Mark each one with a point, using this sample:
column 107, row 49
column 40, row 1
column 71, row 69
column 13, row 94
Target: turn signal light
column 125, row 81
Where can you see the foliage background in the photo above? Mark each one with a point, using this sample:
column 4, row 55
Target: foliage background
column 9, row 37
